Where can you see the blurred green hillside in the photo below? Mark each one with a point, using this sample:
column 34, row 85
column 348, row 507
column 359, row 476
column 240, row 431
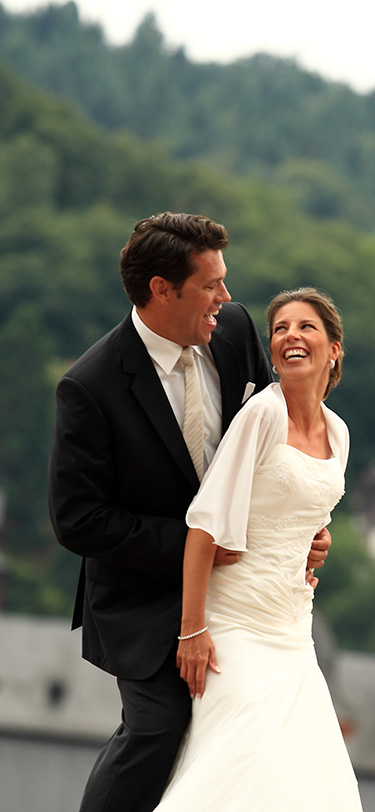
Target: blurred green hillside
column 263, row 117
column 93, row 138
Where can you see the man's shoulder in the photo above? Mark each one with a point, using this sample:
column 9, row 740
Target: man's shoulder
column 237, row 331
column 235, row 321
column 236, row 324
column 230, row 312
column 103, row 353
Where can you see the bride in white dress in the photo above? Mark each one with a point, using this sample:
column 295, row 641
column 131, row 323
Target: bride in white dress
column 264, row 735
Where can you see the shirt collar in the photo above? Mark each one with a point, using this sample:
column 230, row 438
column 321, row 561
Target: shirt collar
column 164, row 352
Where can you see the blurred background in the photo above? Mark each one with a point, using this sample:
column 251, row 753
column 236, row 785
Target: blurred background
column 261, row 120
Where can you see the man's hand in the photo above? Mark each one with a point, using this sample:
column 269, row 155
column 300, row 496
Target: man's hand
column 223, row 556
column 317, row 555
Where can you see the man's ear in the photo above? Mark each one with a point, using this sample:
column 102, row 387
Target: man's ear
column 160, row 289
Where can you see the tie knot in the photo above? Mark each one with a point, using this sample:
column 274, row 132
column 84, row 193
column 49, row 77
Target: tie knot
column 187, row 356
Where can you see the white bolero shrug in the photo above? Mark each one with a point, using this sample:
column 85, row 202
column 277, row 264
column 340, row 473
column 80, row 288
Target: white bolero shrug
column 221, row 506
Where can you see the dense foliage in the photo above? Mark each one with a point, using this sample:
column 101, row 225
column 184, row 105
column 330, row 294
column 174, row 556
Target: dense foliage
column 251, row 117
column 345, row 594
column 71, row 191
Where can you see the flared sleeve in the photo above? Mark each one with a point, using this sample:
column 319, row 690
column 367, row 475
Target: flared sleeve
column 221, row 506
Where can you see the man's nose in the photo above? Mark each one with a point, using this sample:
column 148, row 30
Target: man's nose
column 223, row 293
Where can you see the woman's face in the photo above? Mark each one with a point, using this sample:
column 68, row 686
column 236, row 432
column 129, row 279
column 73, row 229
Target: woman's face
column 300, row 345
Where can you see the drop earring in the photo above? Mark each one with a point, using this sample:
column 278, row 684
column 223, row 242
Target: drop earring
column 332, row 363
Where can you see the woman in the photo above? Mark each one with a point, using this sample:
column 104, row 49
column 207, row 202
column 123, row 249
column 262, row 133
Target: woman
column 263, row 722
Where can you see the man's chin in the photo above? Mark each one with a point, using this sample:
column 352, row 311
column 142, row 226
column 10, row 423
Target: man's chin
column 206, row 336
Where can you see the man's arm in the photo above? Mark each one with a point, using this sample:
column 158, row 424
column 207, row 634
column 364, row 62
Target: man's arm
column 223, row 556
column 88, row 517
column 317, row 555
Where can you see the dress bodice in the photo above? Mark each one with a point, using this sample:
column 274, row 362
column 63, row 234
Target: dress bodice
column 266, row 723
column 291, row 499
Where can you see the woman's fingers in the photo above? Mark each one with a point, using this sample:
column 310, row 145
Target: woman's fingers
column 193, row 658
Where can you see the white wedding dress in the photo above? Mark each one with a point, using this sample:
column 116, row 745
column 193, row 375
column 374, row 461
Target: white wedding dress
column 265, row 737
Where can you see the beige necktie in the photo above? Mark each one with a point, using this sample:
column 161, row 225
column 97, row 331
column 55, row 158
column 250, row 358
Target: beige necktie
column 193, row 426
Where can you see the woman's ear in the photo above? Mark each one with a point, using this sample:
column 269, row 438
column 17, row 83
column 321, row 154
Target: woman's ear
column 335, row 350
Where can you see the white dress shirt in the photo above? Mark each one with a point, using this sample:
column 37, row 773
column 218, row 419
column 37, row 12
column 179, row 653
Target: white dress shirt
column 165, row 355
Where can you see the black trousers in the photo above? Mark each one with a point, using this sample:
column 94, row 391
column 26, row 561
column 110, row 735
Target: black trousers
column 132, row 770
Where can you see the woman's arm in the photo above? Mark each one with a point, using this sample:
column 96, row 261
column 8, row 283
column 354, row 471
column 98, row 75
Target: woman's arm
column 197, row 652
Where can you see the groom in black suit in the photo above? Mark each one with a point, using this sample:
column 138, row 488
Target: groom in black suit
column 121, row 479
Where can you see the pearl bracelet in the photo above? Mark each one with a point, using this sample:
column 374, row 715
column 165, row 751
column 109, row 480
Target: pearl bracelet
column 194, row 634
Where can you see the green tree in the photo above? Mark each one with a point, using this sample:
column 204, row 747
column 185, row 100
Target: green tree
column 26, row 398
column 321, row 191
column 346, row 592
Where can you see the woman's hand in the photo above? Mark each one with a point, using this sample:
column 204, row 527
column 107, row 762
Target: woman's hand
column 194, row 656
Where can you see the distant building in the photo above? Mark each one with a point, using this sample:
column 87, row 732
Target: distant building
column 57, row 710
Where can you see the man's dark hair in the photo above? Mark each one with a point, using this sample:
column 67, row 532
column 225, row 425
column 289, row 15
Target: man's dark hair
column 162, row 245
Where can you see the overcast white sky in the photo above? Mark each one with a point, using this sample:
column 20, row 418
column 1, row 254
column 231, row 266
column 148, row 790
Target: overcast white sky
column 333, row 37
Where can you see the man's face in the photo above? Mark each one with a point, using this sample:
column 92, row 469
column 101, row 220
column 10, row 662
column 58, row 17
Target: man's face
column 193, row 307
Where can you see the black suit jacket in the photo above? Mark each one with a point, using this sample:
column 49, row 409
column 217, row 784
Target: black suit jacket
column 120, row 482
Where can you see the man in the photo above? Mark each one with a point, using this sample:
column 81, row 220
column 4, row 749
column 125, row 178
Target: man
column 121, row 479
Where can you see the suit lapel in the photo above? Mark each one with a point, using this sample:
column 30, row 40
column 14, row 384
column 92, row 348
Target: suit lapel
column 149, row 392
column 231, row 380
